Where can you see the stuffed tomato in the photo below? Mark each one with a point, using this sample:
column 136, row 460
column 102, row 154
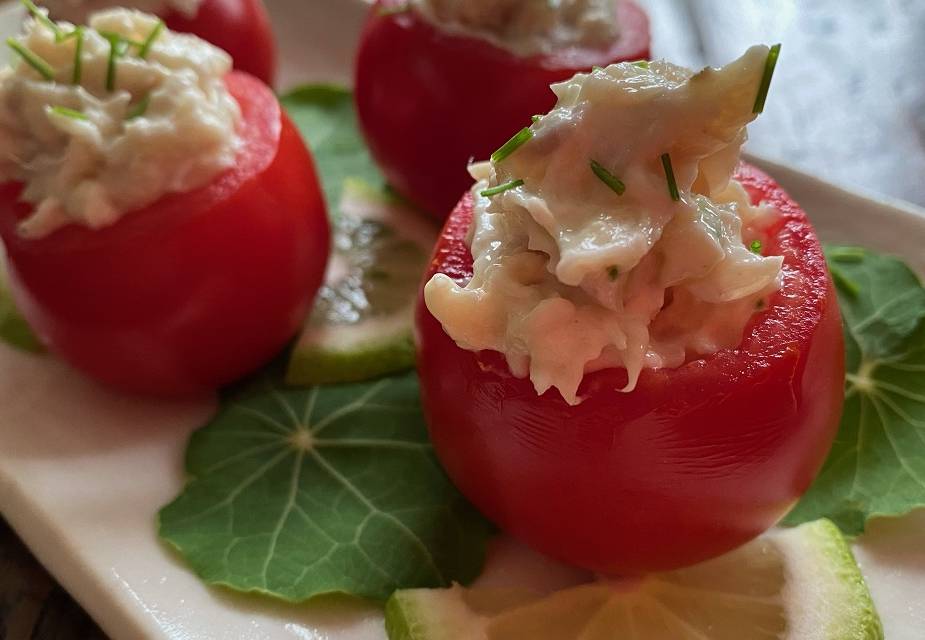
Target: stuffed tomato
column 164, row 226
column 240, row 27
column 439, row 82
column 630, row 348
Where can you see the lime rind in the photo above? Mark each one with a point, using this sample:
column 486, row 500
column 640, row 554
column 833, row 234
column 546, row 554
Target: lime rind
column 840, row 606
column 352, row 353
column 791, row 584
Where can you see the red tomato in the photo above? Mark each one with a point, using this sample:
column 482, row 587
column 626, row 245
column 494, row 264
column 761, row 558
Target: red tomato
column 240, row 27
column 429, row 101
column 195, row 290
column 694, row 462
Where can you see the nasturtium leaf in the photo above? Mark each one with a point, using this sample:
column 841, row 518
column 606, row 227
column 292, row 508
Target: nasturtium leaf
column 877, row 464
column 296, row 493
column 327, row 120
column 14, row 330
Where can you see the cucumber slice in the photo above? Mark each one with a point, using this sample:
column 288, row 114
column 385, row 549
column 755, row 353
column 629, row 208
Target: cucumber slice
column 790, row 584
column 361, row 326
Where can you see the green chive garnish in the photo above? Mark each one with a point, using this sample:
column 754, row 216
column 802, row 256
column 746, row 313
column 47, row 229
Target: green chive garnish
column 68, row 113
column 847, row 254
column 535, row 119
column 36, row 13
column 512, row 145
column 501, row 188
column 149, row 41
column 139, row 109
column 669, row 174
column 845, row 283
column 117, row 48
column 642, row 64
column 33, row 60
column 596, row 68
column 78, row 55
column 769, row 65
column 608, row 178
column 613, row 272
column 755, row 247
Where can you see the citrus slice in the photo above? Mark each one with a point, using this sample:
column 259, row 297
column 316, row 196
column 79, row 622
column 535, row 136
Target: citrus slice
column 361, row 325
column 790, row 584
column 14, row 330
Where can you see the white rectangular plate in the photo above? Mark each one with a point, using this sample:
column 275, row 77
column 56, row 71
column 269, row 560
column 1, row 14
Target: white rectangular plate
column 83, row 471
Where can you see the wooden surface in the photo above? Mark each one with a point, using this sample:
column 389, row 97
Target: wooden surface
column 848, row 103
column 32, row 605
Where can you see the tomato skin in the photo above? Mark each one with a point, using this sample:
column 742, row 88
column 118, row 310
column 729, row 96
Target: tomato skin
column 429, row 101
column 195, row 290
column 240, row 27
column 693, row 463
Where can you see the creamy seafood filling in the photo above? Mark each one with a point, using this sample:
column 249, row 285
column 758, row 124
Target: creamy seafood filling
column 99, row 121
column 586, row 255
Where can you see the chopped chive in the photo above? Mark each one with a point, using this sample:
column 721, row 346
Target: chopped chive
column 78, row 55
column 33, row 60
column 139, row 109
column 47, row 22
column 393, row 10
column 65, row 112
column 669, row 174
column 535, row 119
column 512, row 145
column 596, row 68
column 117, row 48
column 501, row 188
column 149, row 41
column 847, row 254
column 642, row 64
column 608, row 178
column 755, row 247
column 126, row 42
column 765, row 85
column 845, row 283
column 613, row 272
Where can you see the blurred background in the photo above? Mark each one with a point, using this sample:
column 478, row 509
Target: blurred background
column 848, row 98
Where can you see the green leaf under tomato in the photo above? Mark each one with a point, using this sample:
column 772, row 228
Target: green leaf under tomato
column 296, row 493
column 327, row 120
column 877, row 464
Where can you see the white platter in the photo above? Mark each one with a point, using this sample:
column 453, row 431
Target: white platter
column 83, row 471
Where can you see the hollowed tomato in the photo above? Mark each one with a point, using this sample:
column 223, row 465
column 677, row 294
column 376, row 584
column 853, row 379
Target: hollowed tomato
column 194, row 290
column 429, row 101
column 240, row 27
column 692, row 463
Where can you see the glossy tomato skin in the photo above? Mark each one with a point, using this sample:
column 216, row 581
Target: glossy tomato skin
column 195, row 290
column 240, row 27
column 429, row 101
column 691, row 464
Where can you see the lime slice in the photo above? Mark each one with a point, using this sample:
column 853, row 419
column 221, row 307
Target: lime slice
column 792, row 584
column 361, row 325
column 14, row 330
